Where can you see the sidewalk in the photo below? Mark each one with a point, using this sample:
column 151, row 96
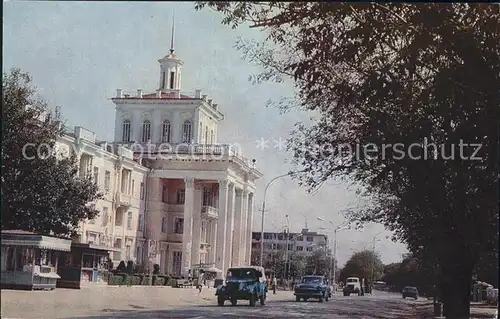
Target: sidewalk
column 70, row 303
column 477, row 310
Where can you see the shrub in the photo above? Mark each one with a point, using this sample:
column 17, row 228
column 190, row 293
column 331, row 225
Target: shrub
column 117, row 279
column 156, row 269
column 145, row 280
column 121, row 267
column 130, row 267
column 136, row 280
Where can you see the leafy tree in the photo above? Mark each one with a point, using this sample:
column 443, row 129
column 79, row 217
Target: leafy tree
column 364, row 264
column 319, row 263
column 41, row 192
column 399, row 74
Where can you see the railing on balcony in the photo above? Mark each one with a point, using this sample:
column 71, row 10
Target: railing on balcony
column 209, row 212
column 188, row 149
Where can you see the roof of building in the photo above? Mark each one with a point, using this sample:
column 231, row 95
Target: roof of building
column 164, row 95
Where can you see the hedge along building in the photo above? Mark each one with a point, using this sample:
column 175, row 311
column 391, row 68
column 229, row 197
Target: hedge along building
column 199, row 193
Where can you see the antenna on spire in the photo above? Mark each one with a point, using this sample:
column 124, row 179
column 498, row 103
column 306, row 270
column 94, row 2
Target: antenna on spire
column 173, row 32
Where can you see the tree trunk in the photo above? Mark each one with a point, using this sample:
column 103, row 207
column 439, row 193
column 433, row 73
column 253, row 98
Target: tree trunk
column 456, row 288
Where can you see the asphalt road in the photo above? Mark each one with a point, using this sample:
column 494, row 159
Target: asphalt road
column 380, row 305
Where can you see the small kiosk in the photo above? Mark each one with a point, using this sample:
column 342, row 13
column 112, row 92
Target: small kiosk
column 85, row 266
column 30, row 261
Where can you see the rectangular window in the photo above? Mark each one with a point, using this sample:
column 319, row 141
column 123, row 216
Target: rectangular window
column 179, row 226
column 177, row 262
column 280, row 237
column 105, row 216
column 140, row 225
column 172, row 80
column 164, row 224
column 300, row 248
column 142, row 190
column 290, row 246
column 164, row 195
column 163, row 80
column 96, row 175
column 107, row 180
column 129, row 220
column 268, row 236
column 309, row 238
column 92, row 221
column 310, row 248
column 181, row 196
column 132, row 189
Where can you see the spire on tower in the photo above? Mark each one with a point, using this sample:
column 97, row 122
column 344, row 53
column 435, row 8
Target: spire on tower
column 172, row 38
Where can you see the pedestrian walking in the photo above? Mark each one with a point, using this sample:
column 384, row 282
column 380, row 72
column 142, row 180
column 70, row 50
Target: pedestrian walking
column 201, row 278
column 275, row 283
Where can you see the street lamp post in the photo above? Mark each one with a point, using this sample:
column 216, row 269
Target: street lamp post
column 263, row 210
column 334, row 259
column 373, row 257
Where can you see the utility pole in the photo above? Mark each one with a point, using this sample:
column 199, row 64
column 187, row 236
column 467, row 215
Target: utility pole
column 334, row 255
column 287, row 231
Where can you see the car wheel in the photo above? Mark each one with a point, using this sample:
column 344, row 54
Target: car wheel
column 346, row 294
column 305, row 299
column 220, row 301
column 320, row 299
column 326, row 298
column 234, row 301
column 297, row 298
column 253, row 300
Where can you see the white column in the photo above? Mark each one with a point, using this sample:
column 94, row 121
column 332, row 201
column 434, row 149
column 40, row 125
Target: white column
column 237, row 235
column 249, row 227
column 195, row 254
column 229, row 226
column 244, row 233
column 136, row 128
column 221, row 226
column 187, row 235
column 156, row 127
column 213, row 241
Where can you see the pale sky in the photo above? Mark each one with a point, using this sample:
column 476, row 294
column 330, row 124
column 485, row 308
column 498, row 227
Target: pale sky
column 79, row 53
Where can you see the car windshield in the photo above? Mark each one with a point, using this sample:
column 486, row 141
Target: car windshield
column 410, row 289
column 242, row 274
column 353, row 280
column 311, row 280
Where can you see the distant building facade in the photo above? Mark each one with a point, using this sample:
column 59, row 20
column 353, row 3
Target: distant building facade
column 298, row 244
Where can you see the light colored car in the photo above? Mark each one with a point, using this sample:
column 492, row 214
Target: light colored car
column 352, row 286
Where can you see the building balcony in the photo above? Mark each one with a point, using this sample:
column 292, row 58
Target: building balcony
column 123, row 200
column 209, row 212
column 147, row 149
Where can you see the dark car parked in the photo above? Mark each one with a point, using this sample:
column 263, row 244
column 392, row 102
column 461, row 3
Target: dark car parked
column 411, row 292
column 315, row 287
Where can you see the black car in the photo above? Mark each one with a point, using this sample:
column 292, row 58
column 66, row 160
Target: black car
column 314, row 287
column 411, row 292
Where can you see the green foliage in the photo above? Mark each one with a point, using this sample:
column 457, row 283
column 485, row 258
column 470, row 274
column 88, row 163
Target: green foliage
column 41, row 192
column 121, row 267
column 363, row 264
column 380, row 74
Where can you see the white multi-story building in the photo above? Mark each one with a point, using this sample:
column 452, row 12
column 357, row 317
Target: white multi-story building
column 120, row 222
column 199, row 193
column 299, row 244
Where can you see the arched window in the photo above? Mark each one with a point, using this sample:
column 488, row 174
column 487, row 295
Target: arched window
column 126, row 131
column 212, row 137
column 165, row 132
column 206, row 134
column 186, row 132
column 146, row 131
